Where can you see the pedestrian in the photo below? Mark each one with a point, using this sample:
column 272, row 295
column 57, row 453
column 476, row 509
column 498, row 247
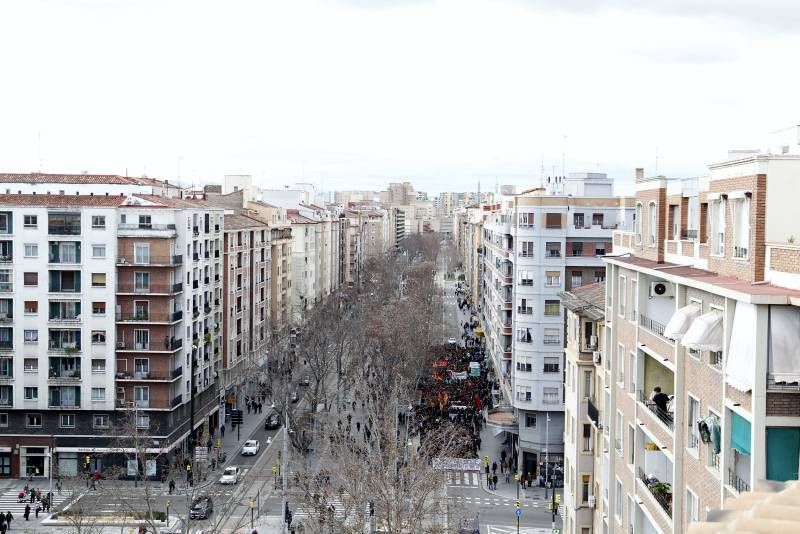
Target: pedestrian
column 171, row 486
column 508, row 476
column 494, row 467
column 27, row 513
column 3, row 526
column 38, row 509
column 9, row 517
column 494, row 481
column 528, row 478
column 247, row 404
column 354, row 405
column 58, row 485
column 358, row 426
column 222, row 430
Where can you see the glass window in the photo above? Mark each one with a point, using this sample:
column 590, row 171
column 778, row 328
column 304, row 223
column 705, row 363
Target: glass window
column 31, row 279
column 550, row 396
column 98, row 365
column 67, row 420
column 98, row 251
column 530, row 420
column 141, row 281
column 31, row 365
column 692, row 507
column 551, row 364
column 98, row 221
column 98, row 279
column 29, row 221
column 98, row 308
column 33, row 420
column 141, row 253
column 100, row 421
column 98, row 337
column 553, row 278
column 142, row 421
column 31, row 393
column 31, row 306
column 552, row 308
column 31, row 336
column 98, row 394
column 31, row 250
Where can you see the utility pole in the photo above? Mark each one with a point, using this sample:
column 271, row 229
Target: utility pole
column 546, row 449
column 284, row 503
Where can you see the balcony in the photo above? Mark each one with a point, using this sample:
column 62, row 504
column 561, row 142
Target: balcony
column 736, row 482
column 177, row 373
column 6, row 346
column 64, row 229
column 652, row 325
column 660, row 490
column 150, row 261
column 64, row 397
column 149, row 289
column 6, row 287
column 6, row 317
column 177, row 401
column 689, row 235
column 55, row 345
column 147, row 316
column 665, row 416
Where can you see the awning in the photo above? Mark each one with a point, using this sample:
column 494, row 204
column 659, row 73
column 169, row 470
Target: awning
column 740, row 433
column 681, row 321
column 784, row 344
column 740, row 364
column 705, row 333
column 478, row 331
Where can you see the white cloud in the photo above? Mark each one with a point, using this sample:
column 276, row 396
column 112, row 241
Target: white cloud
column 355, row 92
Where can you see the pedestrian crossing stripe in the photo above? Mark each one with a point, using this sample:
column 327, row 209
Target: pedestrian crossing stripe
column 463, row 478
column 9, row 503
column 305, row 510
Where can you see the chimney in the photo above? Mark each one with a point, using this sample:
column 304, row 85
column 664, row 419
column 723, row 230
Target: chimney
column 639, row 174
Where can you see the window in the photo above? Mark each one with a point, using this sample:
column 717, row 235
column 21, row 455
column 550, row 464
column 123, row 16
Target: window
column 530, row 420
column 597, row 219
column 141, row 253
column 552, row 220
column 524, row 335
column 618, row 432
column 98, row 337
column 718, row 226
column 29, row 221
column 526, row 278
column 552, row 308
column 577, row 249
column 692, row 507
column 637, row 223
column 634, row 300
column 550, row 396
column 31, row 365
column 525, row 307
column 692, row 416
column 98, row 394
column 652, row 222
column 4, row 423
column 141, row 395
column 631, row 443
column 623, row 295
column 524, row 393
column 98, row 279
column 31, row 250
column 98, row 308
column 31, row 306
column 577, row 220
column 524, row 364
column 98, row 251
column 141, row 282
column 553, row 278
column 141, row 339
column 33, row 420
column 526, row 249
column 141, row 365
column 31, row 279
column 599, row 276
column 145, row 221
column 66, row 420
column 713, row 459
column 98, row 365
column 526, row 220
column 552, row 336
column 621, row 363
column 600, row 249
column 551, row 364
column 31, row 336
column 142, row 421
column 587, row 437
column 100, row 421
column 30, row 393
column 632, row 372
column 98, row 221
column 577, row 279
column 553, row 249
column 586, row 482
column 741, row 227
column 588, row 385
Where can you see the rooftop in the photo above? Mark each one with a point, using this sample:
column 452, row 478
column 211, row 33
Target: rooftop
column 237, row 222
column 587, row 300
column 61, row 201
column 45, row 178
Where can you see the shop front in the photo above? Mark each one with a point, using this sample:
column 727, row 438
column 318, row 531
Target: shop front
column 34, row 461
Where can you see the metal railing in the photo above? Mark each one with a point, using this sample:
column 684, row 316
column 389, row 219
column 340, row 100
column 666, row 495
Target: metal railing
column 715, row 359
column 664, row 416
column 145, row 226
column 662, row 497
column 131, row 287
column 651, row 324
column 714, row 461
column 62, row 229
column 130, row 260
column 739, row 252
column 774, row 384
column 689, row 235
column 694, row 440
column 177, row 372
column 736, row 482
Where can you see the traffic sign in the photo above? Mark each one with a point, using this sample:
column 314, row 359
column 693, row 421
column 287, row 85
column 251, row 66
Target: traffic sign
column 519, row 512
column 516, row 504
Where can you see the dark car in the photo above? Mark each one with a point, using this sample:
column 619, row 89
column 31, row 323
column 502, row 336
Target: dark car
column 202, row 508
column 295, row 397
column 272, row 422
column 306, row 381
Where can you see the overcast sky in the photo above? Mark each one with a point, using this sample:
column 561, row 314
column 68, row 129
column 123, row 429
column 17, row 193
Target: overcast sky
column 356, row 93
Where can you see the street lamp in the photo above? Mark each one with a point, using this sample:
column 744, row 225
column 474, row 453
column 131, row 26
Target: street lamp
column 252, row 508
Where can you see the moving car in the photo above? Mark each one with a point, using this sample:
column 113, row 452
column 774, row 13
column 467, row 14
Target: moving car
column 452, row 341
column 202, row 508
column 250, row 447
column 272, row 422
column 305, row 381
column 231, row 475
column 295, row 397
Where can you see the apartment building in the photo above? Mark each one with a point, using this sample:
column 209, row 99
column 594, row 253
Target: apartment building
column 702, row 302
column 469, row 241
column 585, row 324
column 97, row 335
column 247, row 271
column 537, row 244
column 39, row 183
column 306, row 234
column 280, row 240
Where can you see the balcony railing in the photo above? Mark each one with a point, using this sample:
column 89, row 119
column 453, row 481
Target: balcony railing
column 130, row 261
column 694, row 440
column 661, row 491
column 177, row 372
column 6, row 345
column 177, row 400
column 130, row 287
column 150, row 316
column 6, row 287
column 146, row 226
column 689, row 235
column 61, row 229
column 737, row 483
column 592, row 411
column 740, row 252
column 652, row 325
column 664, row 416
column 775, row 384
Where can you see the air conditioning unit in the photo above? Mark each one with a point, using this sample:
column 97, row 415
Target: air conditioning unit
column 596, row 357
column 592, row 341
column 121, row 261
column 591, row 501
column 661, row 289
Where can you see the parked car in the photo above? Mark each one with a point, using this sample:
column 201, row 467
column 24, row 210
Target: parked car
column 250, row 447
column 272, row 422
column 306, row 381
column 202, row 508
column 231, row 475
column 452, row 341
column 295, row 397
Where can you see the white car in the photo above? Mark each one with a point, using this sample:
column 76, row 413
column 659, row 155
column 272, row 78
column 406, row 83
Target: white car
column 231, row 475
column 452, row 341
column 250, row 447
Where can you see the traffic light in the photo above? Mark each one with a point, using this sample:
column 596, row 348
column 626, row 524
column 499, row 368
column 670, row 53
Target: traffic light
column 87, row 461
column 237, row 417
column 516, row 504
column 558, row 497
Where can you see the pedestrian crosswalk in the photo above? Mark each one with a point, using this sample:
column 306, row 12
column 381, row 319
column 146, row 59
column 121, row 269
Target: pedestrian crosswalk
column 332, row 504
column 9, row 503
column 464, row 478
